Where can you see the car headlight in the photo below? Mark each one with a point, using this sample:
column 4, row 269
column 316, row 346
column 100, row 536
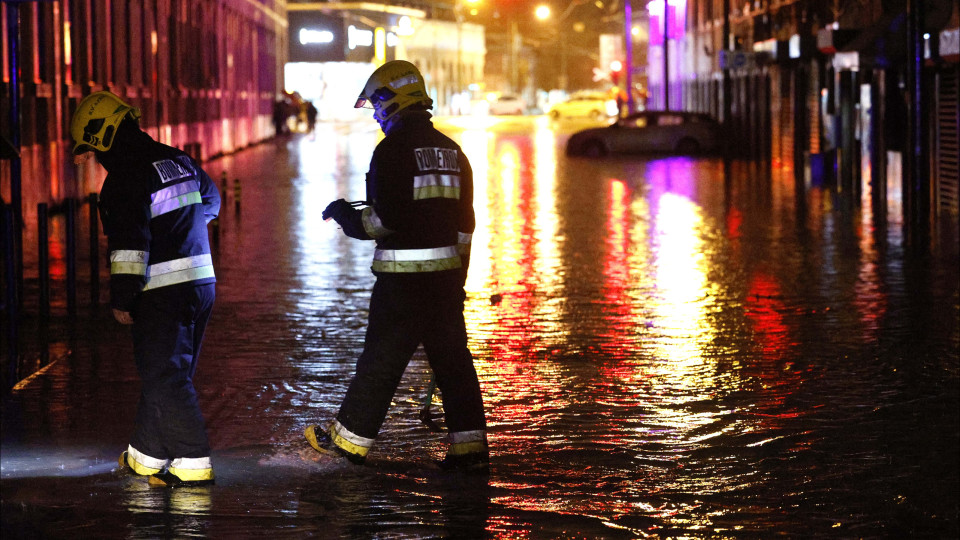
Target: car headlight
column 612, row 109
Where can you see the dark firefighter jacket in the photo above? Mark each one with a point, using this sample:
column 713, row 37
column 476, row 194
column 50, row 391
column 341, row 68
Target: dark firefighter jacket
column 155, row 204
column 420, row 191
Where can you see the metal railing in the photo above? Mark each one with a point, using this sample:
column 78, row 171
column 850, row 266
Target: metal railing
column 14, row 298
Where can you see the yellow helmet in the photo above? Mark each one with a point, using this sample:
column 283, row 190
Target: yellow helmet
column 96, row 121
column 392, row 88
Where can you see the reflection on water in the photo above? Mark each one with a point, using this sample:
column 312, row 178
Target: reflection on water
column 177, row 513
column 656, row 348
column 665, row 350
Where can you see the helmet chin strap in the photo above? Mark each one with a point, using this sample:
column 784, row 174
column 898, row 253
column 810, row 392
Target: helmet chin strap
column 384, row 123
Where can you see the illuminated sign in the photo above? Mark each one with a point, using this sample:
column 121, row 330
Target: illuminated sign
column 795, row 46
column 357, row 37
column 318, row 37
column 310, row 36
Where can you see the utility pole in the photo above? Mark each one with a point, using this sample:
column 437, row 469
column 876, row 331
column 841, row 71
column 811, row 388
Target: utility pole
column 727, row 124
column 514, row 54
column 666, row 55
column 16, row 188
column 916, row 188
column 628, row 48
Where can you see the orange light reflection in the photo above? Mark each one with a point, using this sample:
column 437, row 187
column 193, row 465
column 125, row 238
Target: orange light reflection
column 514, row 248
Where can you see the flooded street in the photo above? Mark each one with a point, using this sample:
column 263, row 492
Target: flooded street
column 666, row 350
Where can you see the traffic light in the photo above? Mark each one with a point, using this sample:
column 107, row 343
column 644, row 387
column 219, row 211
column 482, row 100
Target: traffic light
column 616, row 68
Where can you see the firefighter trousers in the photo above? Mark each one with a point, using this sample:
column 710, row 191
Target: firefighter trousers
column 407, row 310
column 167, row 332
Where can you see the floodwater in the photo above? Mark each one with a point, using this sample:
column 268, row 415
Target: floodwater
column 667, row 349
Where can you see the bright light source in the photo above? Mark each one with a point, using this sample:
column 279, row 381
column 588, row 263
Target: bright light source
column 655, row 8
column 542, row 12
column 312, row 37
column 616, row 65
column 358, row 37
column 404, row 26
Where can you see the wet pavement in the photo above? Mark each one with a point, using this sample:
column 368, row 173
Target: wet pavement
column 666, row 348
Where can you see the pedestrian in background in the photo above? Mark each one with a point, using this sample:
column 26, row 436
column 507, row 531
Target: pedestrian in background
column 155, row 205
column 420, row 213
column 311, row 115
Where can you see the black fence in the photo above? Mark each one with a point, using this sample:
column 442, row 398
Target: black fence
column 19, row 313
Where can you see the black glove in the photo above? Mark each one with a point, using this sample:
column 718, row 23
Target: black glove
column 338, row 210
column 349, row 218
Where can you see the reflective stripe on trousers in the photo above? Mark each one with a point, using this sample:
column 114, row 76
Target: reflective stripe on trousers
column 192, row 469
column 349, row 441
column 467, row 442
column 142, row 463
column 416, row 260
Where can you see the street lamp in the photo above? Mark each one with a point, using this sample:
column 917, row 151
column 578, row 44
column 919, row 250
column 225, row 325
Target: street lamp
column 458, row 8
column 543, row 13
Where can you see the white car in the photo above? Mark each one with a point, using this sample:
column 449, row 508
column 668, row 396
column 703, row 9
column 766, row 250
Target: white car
column 594, row 105
column 507, row 104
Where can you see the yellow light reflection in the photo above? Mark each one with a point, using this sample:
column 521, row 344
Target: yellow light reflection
column 545, row 213
column 513, row 263
column 681, row 276
column 475, row 144
column 682, row 374
column 619, row 311
column 870, row 300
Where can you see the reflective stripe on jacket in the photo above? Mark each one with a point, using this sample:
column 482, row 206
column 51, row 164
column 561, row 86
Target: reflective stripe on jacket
column 420, row 190
column 177, row 271
column 416, row 260
column 155, row 205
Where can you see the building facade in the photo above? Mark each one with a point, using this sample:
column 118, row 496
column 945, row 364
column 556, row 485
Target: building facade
column 823, row 89
column 345, row 41
column 205, row 74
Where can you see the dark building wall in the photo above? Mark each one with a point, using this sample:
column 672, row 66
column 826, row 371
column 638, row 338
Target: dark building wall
column 815, row 109
column 204, row 72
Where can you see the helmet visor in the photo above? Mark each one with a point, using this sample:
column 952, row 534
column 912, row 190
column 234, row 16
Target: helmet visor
column 379, row 96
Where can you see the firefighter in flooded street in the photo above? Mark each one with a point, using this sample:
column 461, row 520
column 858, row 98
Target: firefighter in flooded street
column 420, row 213
column 155, row 204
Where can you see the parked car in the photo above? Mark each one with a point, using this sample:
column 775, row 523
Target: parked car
column 595, row 105
column 649, row 131
column 507, row 104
